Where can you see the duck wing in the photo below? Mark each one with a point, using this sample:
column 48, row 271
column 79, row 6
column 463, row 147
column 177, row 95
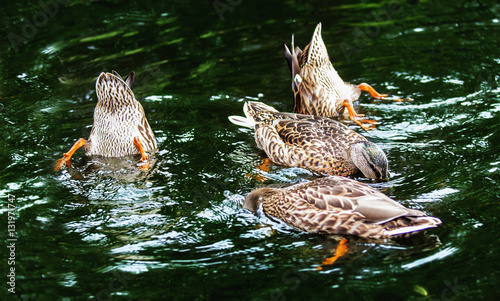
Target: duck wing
column 337, row 193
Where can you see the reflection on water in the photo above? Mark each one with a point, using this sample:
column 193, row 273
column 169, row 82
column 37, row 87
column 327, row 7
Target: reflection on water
column 106, row 228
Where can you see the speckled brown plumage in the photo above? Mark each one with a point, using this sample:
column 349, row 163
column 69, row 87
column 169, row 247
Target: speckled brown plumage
column 118, row 118
column 313, row 142
column 338, row 205
column 120, row 126
column 317, row 87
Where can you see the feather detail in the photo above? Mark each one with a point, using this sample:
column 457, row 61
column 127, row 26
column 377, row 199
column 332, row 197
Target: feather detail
column 338, row 205
column 317, row 143
column 317, row 87
column 118, row 118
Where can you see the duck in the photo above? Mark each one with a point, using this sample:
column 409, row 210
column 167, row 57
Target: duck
column 336, row 205
column 317, row 143
column 317, row 86
column 120, row 125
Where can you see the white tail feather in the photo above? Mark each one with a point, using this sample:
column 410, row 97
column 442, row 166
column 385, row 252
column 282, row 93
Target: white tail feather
column 432, row 222
column 250, row 108
column 242, row 121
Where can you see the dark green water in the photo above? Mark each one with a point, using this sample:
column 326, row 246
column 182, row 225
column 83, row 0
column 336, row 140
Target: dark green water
column 178, row 232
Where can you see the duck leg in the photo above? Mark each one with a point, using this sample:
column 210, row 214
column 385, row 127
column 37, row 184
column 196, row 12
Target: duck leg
column 144, row 155
column 138, row 144
column 265, row 165
column 67, row 156
column 355, row 116
column 366, row 87
column 342, row 248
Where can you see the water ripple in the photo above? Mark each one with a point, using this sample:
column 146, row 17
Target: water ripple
column 436, row 256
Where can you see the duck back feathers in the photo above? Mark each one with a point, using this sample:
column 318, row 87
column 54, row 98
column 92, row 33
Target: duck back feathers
column 317, row 143
column 338, row 205
column 118, row 118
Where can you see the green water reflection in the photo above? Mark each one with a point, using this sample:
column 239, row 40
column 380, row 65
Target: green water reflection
column 178, row 232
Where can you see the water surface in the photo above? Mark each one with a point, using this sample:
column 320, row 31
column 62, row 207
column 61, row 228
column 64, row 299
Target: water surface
column 178, row 231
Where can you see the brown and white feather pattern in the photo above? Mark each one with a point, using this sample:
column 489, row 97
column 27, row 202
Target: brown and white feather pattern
column 318, row 88
column 118, row 118
column 338, row 205
column 312, row 142
column 306, row 141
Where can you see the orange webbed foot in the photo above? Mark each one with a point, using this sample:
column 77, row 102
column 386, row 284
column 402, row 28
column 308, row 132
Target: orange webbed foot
column 366, row 128
column 265, row 165
column 366, row 87
column 257, row 177
column 67, row 156
column 138, row 144
column 342, row 248
column 60, row 163
column 409, row 99
column 356, row 117
column 145, row 164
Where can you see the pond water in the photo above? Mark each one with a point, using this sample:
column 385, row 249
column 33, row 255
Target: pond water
column 178, row 232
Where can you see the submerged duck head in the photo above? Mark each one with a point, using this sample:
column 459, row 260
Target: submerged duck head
column 370, row 159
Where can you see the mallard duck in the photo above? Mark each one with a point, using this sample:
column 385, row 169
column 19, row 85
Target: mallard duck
column 317, row 87
column 120, row 125
column 341, row 206
column 316, row 143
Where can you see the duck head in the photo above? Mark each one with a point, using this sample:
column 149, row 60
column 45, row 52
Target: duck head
column 370, row 159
